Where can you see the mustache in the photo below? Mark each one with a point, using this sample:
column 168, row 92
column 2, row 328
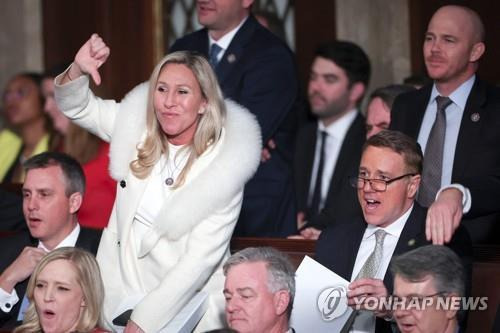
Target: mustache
column 316, row 94
column 434, row 58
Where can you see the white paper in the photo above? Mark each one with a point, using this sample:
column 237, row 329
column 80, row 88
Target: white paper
column 320, row 303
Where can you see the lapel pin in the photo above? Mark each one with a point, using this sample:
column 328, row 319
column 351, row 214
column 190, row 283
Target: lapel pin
column 231, row 58
column 475, row 117
column 411, row 242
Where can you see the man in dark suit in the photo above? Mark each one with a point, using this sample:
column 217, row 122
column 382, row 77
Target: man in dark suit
column 470, row 157
column 11, row 209
column 52, row 194
column 387, row 183
column 328, row 150
column 256, row 69
column 421, row 276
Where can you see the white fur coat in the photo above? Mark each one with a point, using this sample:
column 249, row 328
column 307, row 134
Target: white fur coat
column 185, row 247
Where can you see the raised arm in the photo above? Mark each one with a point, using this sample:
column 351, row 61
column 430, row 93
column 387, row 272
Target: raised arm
column 74, row 97
column 92, row 55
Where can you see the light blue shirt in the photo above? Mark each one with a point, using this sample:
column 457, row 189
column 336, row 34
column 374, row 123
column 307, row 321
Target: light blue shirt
column 454, row 113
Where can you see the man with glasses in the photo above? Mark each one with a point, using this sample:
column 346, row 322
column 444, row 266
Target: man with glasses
column 425, row 281
column 360, row 249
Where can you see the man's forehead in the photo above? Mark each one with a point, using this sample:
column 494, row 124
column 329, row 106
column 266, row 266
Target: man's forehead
column 404, row 286
column 381, row 158
column 248, row 272
column 42, row 177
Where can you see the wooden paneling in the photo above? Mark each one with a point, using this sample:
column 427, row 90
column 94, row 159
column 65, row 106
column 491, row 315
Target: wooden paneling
column 420, row 14
column 296, row 249
column 314, row 24
column 127, row 26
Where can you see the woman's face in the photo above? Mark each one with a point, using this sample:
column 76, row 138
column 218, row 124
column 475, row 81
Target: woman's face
column 178, row 102
column 22, row 102
column 58, row 297
column 61, row 122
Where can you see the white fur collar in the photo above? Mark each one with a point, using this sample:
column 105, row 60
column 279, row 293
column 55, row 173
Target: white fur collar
column 130, row 126
column 235, row 163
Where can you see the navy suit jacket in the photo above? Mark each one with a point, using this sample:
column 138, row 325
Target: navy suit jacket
column 476, row 163
column 338, row 245
column 258, row 71
column 12, row 246
column 341, row 201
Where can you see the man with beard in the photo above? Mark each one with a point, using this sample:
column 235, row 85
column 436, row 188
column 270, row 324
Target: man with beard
column 455, row 120
column 328, row 151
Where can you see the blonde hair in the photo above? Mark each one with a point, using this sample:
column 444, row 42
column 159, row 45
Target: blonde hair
column 209, row 126
column 89, row 280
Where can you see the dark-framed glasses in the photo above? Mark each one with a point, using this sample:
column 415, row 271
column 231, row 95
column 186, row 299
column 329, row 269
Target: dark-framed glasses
column 379, row 185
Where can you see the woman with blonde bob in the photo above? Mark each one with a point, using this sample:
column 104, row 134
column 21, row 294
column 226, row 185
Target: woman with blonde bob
column 181, row 156
column 66, row 294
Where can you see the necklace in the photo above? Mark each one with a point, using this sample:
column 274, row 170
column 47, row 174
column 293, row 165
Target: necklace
column 169, row 181
column 173, row 167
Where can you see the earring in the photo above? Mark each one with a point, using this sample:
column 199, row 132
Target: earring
column 201, row 111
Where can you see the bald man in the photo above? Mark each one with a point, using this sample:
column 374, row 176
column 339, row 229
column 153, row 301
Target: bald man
column 470, row 155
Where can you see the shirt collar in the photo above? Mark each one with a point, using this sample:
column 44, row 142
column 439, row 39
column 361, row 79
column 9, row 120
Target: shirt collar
column 70, row 240
column 339, row 127
column 225, row 40
column 458, row 96
column 393, row 229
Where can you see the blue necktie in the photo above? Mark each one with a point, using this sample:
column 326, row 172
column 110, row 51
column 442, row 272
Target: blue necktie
column 212, row 56
column 24, row 306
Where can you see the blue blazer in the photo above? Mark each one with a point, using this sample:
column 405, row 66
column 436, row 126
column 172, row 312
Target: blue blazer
column 258, row 71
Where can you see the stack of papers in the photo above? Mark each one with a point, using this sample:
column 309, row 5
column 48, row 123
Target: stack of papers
column 320, row 303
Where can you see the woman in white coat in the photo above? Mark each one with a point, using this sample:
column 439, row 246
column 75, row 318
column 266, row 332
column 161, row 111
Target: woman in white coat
column 181, row 156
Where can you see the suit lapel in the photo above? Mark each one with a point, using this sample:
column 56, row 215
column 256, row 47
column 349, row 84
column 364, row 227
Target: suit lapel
column 412, row 236
column 351, row 145
column 235, row 50
column 305, row 174
column 469, row 129
column 352, row 247
column 201, row 43
column 416, row 111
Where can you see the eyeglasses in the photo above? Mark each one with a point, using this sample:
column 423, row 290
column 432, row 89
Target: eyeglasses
column 379, row 185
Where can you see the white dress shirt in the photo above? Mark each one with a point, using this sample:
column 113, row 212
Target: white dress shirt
column 454, row 113
column 12, row 298
column 225, row 40
column 365, row 320
column 336, row 133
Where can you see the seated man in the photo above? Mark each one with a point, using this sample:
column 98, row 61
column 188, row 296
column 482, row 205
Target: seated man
column 421, row 277
column 259, row 291
column 378, row 111
column 52, row 194
column 360, row 249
